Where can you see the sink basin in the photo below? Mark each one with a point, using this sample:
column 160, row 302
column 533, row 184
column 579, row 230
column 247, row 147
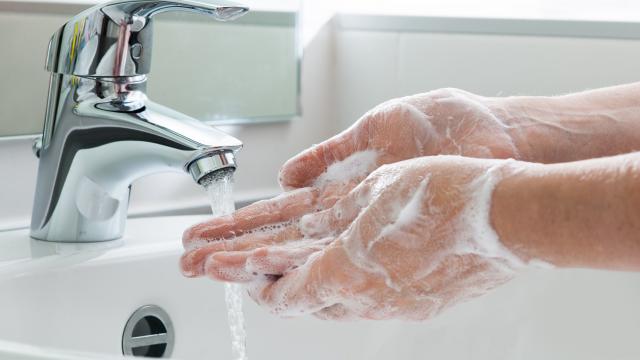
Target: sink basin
column 59, row 300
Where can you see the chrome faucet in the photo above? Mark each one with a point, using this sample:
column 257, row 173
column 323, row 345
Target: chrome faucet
column 101, row 132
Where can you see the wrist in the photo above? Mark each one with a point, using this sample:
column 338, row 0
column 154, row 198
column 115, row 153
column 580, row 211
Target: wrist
column 577, row 214
column 514, row 213
column 571, row 127
column 535, row 127
column 478, row 212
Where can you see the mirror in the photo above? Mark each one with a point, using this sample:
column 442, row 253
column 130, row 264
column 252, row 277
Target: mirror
column 235, row 72
column 244, row 71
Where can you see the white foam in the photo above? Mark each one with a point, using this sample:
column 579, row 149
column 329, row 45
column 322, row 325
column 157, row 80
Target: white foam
column 288, row 255
column 263, row 230
column 267, row 229
column 408, row 214
column 477, row 236
column 309, row 224
column 355, row 166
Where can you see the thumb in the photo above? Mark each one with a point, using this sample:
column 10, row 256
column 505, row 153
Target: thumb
column 303, row 169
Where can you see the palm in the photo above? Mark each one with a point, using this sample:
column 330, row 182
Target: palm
column 442, row 122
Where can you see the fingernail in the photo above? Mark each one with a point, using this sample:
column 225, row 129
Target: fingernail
column 190, row 266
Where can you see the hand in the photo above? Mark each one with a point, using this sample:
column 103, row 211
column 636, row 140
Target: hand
column 411, row 240
column 440, row 122
column 446, row 121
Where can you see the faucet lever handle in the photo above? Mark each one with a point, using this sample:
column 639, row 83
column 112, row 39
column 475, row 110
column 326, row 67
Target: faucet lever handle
column 114, row 39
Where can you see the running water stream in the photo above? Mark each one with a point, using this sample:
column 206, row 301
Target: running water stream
column 219, row 186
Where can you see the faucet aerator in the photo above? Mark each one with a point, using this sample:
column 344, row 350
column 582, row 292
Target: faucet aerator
column 211, row 164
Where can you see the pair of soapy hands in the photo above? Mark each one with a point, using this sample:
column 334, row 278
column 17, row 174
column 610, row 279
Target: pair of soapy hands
column 373, row 224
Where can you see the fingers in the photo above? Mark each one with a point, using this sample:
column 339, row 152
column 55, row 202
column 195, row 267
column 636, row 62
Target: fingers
column 314, row 226
column 246, row 266
column 283, row 208
column 327, row 223
column 229, row 267
column 304, row 290
column 336, row 219
column 278, row 260
column 303, row 169
column 192, row 262
column 331, row 192
column 335, row 312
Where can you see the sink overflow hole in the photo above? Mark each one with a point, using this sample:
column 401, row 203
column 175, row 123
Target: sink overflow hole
column 148, row 333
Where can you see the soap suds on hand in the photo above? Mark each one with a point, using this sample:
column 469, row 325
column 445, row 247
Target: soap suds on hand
column 356, row 166
column 407, row 215
column 480, row 237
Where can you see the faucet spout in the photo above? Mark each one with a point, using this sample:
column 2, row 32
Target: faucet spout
column 100, row 136
column 101, row 132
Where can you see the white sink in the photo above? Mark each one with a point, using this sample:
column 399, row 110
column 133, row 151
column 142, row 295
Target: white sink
column 64, row 297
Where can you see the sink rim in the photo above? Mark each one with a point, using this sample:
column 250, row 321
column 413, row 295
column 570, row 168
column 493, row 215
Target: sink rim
column 29, row 257
column 20, row 255
column 23, row 351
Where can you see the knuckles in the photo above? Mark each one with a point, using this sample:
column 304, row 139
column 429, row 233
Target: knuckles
column 448, row 92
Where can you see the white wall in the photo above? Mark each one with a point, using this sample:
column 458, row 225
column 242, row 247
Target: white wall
column 374, row 66
column 598, row 10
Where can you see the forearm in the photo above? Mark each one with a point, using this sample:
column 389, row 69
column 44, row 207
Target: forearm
column 602, row 122
column 579, row 214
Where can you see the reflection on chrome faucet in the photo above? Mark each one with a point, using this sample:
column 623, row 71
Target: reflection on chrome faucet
column 101, row 131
